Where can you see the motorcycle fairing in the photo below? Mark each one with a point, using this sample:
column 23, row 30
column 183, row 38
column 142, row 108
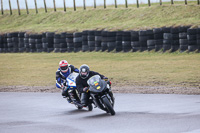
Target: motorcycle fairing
column 71, row 80
column 96, row 84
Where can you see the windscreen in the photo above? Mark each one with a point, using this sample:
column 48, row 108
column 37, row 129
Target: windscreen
column 72, row 76
column 94, row 80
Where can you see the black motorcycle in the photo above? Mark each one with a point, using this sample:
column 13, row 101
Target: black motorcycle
column 101, row 94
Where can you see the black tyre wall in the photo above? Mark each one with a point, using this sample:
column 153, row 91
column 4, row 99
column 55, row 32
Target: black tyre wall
column 145, row 35
column 50, row 41
column 119, row 35
column 192, row 40
column 91, row 40
column 69, row 41
column 85, row 46
column 175, row 38
column 104, row 46
column 111, row 40
column 126, row 41
column 98, row 39
column 166, row 38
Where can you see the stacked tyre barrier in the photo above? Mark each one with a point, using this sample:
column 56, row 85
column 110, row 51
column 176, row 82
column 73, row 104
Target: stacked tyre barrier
column 158, row 39
column 175, row 39
column 21, row 47
column 63, row 43
column 60, row 44
column 35, row 43
column 167, row 39
column 183, row 39
column 119, row 35
column 12, row 42
column 26, row 43
column 77, row 41
column 91, row 40
column 2, row 47
column 135, row 44
column 50, row 41
column 9, row 42
column 111, row 40
column 104, row 41
column 32, row 41
column 70, row 42
column 38, row 43
column 192, row 40
column 126, row 41
column 44, row 42
column 85, row 46
column 15, row 42
column 144, row 36
column 98, row 39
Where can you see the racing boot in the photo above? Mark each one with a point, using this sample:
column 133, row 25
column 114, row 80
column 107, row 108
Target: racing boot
column 69, row 99
column 85, row 99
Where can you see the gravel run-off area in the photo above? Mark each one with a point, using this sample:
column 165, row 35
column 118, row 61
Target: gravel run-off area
column 115, row 89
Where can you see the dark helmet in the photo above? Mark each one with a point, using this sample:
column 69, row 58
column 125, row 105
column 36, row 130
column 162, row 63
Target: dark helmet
column 84, row 71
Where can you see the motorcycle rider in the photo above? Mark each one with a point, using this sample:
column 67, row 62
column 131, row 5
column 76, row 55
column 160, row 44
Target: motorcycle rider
column 64, row 70
column 81, row 82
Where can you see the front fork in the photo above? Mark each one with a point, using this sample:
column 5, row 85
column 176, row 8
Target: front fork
column 74, row 95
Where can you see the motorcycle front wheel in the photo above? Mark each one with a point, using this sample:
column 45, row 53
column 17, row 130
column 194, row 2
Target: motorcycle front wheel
column 108, row 105
column 79, row 107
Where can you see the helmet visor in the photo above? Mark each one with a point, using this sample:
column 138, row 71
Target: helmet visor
column 83, row 73
column 64, row 68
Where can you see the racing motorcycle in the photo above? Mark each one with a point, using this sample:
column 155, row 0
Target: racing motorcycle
column 73, row 93
column 101, row 94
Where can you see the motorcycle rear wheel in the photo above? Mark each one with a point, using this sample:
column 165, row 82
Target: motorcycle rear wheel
column 108, row 105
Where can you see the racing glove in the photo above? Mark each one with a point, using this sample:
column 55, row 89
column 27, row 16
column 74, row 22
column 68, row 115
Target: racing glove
column 64, row 88
column 105, row 78
column 86, row 89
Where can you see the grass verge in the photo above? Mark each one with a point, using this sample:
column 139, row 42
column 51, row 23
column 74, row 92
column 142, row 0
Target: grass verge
column 124, row 69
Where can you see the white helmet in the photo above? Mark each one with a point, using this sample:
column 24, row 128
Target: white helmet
column 63, row 64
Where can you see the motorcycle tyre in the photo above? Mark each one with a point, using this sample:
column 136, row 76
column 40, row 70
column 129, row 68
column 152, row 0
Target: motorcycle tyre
column 78, row 107
column 108, row 105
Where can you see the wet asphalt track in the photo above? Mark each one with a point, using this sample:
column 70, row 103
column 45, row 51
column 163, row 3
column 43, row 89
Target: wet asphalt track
column 135, row 113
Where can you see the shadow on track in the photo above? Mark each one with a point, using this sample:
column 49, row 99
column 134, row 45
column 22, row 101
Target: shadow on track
column 98, row 116
column 103, row 115
column 76, row 111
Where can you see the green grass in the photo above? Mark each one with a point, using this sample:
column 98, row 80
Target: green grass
column 38, row 69
column 131, row 18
